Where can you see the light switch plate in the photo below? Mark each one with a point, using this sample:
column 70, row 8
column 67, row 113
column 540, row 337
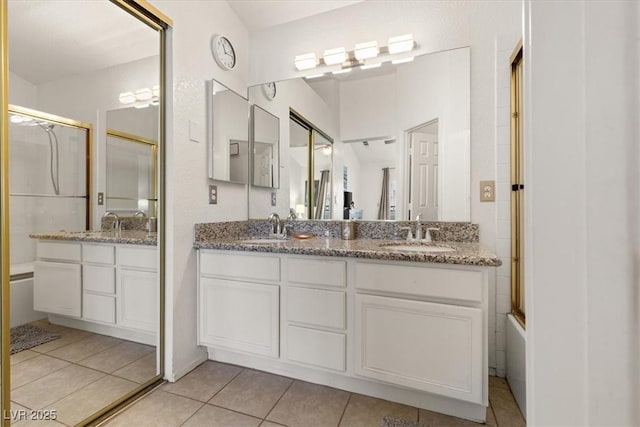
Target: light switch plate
column 273, row 198
column 100, row 199
column 213, row 194
column 487, row 191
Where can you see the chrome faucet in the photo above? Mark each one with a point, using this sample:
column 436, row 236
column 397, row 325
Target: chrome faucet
column 116, row 223
column 418, row 226
column 292, row 215
column 427, row 234
column 276, row 228
column 141, row 214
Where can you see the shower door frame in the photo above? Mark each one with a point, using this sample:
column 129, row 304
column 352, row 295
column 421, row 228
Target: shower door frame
column 63, row 121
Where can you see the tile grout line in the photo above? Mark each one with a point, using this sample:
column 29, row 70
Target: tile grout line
column 344, row 410
column 226, row 384
column 278, row 401
column 194, row 412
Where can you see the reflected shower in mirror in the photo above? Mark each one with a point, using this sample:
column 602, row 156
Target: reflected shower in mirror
column 265, row 129
column 227, row 134
column 132, row 147
column 411, row 120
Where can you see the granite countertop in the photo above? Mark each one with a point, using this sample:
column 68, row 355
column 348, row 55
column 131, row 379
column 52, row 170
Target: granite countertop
column 463, row 253
column 131, row 237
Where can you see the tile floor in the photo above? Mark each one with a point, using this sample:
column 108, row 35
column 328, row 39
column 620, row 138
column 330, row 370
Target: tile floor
column 77, row 374
column 216, row 394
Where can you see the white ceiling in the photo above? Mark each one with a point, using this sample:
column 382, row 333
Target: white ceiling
column 257, row 15
column 50, row 40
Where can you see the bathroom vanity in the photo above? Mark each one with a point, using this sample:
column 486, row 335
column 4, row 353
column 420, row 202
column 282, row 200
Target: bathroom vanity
column 404, row 325
column 102, row 282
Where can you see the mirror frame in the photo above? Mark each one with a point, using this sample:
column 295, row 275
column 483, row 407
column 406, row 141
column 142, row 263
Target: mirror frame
column 156, row 20
column 275, row 164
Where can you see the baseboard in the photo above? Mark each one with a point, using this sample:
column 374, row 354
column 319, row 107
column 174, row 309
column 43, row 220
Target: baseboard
column 142, row 337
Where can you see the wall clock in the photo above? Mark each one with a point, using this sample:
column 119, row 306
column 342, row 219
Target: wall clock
column 223, row 52
column 269, row 90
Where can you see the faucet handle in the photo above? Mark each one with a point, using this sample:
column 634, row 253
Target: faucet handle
column 427, row 235
column 409, row 233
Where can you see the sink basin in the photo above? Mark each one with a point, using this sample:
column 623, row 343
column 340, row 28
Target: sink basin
column 261, row 241
column 419, row 248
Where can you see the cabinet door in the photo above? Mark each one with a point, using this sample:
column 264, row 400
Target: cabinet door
column 137, row 304
column 239, row 315
column 431, row 347
column 57, row 288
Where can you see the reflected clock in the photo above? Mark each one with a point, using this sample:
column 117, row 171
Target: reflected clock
column 269, row 90
column 223, row 52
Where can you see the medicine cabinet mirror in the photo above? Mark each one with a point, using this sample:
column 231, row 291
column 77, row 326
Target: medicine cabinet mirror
column 227, row 134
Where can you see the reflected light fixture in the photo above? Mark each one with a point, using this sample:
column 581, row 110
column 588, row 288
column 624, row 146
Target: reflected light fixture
column 314, row 76
column 335, row 56
column 399, row 44
column 370, row 66
column 343, row 71
column 141, row 98
column 306, row 61
column 402, row 60
column 366, row 50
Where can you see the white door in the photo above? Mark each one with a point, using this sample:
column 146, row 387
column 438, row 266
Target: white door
column 424, row 175
column 432, row 347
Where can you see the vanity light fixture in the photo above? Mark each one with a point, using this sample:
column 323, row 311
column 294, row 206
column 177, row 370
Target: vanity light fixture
column 144, row 94
column 306, row 61
column 399, row 44
column 365, row 55
column 366, row 50
column 127, row 98
column 335, row 56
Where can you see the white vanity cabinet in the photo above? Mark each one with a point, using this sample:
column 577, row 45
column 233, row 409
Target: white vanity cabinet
column 422, row 327
column 409, row 332
column 239, row 302
column 58, row 288
column 105, row 288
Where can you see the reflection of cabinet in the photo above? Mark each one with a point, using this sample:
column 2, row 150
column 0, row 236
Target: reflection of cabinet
column 57, row 288
column 414, row 333
column 104, row 288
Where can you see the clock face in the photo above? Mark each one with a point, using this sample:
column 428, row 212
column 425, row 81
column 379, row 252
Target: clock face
column 223, row 52
column 269, row 90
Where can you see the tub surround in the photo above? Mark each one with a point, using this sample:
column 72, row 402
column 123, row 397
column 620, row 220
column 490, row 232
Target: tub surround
column 128, row 237
column 373, row 241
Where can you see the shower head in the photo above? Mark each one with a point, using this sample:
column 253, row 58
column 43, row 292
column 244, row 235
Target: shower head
column 47, row 127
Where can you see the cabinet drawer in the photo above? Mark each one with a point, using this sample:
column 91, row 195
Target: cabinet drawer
column 317, row 272
column 60, row 251
column 99, row 307
column 317, row 348
column 240, row 266
column 421, row 281
column 99, row 279
column 98, row 254
column 137, row 257
column 316, row 307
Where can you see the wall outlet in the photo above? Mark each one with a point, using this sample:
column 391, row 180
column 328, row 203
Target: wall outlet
column 213, row 194
column 487, row 191
column 100, row 199
column 273, row 198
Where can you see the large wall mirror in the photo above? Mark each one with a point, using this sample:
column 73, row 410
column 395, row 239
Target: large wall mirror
column 85, row 85
column 227, row 134
column 401, row 139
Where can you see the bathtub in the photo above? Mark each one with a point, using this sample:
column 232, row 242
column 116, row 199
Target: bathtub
column 516, row 346
column 22, row 295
